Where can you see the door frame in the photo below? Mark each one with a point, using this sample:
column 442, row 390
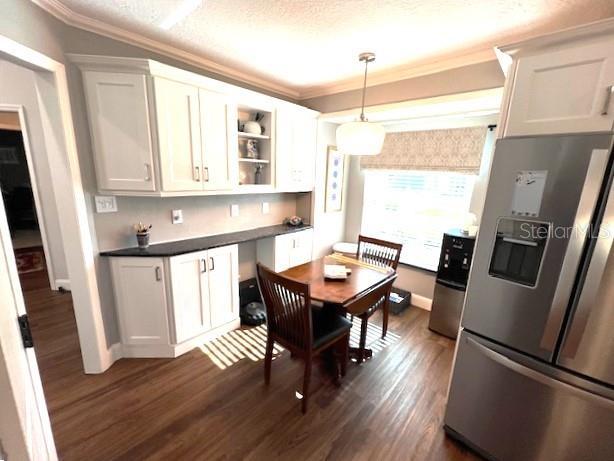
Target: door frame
column 51, row 87
column 28, row 434
column 34, row 183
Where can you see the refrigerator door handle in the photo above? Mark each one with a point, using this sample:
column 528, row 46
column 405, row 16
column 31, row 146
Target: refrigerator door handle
column 592, row 281
column 540, row 377
column 579, row 231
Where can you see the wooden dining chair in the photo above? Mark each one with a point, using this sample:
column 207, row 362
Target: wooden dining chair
column 304, row 331
column 380, row 253
column 364, row 308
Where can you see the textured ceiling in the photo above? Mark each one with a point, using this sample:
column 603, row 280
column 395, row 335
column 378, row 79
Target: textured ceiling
column 310, row 44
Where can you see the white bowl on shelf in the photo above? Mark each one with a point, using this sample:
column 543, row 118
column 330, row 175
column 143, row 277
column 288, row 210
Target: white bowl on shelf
column 252, row 127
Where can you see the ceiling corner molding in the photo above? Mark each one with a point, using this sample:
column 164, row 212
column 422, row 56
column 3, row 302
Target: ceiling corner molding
column 72, row 18
column 402, row 73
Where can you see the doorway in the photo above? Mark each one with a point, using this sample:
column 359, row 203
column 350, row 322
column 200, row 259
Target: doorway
column 22, row 205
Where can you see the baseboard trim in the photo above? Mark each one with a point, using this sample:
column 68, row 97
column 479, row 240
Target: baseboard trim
column 175, row 350
column 421, row 301
column 108, row 358
column 62, row 283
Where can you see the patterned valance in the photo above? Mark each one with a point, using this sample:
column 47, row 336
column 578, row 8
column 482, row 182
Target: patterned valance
column 456, row 149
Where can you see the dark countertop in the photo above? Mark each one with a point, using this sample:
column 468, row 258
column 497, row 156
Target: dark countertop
column 179, row 247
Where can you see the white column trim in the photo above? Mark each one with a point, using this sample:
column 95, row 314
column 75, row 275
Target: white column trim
column 52, row 92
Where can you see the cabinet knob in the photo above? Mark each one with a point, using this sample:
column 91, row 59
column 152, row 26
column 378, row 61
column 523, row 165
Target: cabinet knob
column 206, row 171
column 211, row 263
column 608, row 97
column 147, row 172
column 203, row 268
column 158, row 274
column 197, row 173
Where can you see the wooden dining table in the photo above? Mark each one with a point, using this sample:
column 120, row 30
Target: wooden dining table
column 342, row 294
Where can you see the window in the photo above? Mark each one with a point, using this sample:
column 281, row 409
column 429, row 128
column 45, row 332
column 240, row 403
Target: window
column 415, row 208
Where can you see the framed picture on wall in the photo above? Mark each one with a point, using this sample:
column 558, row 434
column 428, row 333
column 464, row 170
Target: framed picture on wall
column 335, row 172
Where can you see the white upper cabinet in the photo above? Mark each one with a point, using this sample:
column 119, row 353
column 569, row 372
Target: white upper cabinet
column 121, row 133
column 562, row 88
column 161, row 131
column 218, row 129
column 304, row 158
column 179, row 137
column 296, row 148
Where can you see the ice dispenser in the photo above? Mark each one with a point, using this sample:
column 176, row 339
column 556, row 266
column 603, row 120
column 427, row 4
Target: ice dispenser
column 518, row 250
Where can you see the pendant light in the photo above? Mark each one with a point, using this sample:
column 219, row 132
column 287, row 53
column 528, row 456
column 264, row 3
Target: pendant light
column 361, row 137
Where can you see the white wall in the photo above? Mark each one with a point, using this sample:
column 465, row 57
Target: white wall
column 17, row 86
column 329, row 228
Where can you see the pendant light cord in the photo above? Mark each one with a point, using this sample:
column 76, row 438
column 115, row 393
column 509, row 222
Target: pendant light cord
column 364, row 91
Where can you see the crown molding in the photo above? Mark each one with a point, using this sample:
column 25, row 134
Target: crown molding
column 72, row 18
column 402, row 73
column 542, row 41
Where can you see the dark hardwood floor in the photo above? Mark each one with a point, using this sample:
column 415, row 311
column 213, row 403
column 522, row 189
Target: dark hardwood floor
column 212, row 402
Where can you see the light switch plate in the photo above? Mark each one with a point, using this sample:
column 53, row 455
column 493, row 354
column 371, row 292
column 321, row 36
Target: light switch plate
column 234, row 210
column 177, row 216
column 266, row 208
column 105, row 204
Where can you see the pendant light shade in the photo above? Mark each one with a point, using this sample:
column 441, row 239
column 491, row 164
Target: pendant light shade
column 361, row 137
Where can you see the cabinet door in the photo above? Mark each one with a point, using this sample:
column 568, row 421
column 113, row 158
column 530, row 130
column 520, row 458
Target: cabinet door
column 218, row 128
column 190, row 295
column 284, row 245
column 304, row 150
column 302, row 247
column 284, row 142
column 140, row 297
column 118, row 112
column 178, row 118
column 223, row 266
column 567, row 91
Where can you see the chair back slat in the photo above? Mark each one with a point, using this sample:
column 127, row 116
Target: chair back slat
column 378, row 252
column 288, row 308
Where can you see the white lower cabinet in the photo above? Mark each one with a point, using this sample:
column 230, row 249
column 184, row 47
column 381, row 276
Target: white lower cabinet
column 168, row 306
column 190, row 295
column 223, row 269
column 284, row 251
column 141, row 299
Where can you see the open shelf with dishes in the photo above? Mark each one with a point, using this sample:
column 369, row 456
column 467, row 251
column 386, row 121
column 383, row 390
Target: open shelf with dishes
column 255, row 146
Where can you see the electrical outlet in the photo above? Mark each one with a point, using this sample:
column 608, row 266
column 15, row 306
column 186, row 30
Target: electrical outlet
column 266, row 208
column 105, row 204
column 234, row 210
column 177, row 216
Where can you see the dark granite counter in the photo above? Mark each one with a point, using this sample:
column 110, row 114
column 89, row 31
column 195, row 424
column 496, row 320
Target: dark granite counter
column 205, row 243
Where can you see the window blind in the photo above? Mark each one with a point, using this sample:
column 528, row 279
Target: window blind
column 456, row 150
column 415, row 208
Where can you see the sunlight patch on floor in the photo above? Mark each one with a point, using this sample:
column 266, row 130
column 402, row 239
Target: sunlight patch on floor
column 250, row 344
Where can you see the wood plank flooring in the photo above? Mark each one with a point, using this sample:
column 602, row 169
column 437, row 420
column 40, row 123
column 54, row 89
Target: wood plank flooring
column 212, row 403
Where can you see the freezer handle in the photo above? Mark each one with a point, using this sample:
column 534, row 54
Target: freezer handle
column 592, row 281
column 540, row 377
column 571, row 261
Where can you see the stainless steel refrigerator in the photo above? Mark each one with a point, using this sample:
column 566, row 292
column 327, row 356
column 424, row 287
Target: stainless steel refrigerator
column 533, row 376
